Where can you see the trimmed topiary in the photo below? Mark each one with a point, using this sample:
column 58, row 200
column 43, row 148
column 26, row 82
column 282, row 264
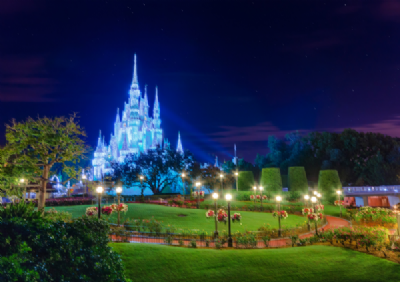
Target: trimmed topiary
column 245, row 180
column 297, row 179
column 271, row 179
column 328, row 183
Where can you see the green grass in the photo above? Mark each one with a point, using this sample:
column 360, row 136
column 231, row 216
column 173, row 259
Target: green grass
column 145, row 262
column 193, row 219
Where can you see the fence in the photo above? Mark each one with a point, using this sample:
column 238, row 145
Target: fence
column 254, row 239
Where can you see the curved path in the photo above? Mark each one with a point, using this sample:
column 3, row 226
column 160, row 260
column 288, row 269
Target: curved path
column 333, row 222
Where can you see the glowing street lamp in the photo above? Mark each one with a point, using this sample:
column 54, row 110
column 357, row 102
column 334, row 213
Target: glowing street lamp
column 183, row 175
column 319, row 197
column 261, row 190
column 338, row 192
column 198, row 194
column 221, row 176
column 23, row 184
column 99, row 191
column 215, row 197
column 278, row 200
column 307, row 199
column 255, row 194
column 141, row 178
column 237, row 175
column 119, row 191
column 228, row 198
column 313, row 201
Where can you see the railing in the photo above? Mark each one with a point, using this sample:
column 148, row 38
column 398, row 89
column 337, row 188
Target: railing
column 134, row 233
column 372, row 190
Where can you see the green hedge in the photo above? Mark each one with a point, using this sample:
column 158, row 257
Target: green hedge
column 328, row 183
column 297, row 179
column 245, row 180
column 271, row 179
column 39, row 249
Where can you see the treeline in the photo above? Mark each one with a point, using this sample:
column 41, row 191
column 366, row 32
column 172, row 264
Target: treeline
column 360, row 158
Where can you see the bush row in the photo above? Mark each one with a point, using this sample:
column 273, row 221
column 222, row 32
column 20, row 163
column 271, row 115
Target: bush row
column 35, row 248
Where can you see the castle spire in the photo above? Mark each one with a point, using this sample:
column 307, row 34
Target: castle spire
column 146, row 101
column 179, row 148
column 99, row 140
column 135, row 79
column 156, row 106
column 118, row 119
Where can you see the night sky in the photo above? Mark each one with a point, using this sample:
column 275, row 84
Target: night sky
column 227, row 71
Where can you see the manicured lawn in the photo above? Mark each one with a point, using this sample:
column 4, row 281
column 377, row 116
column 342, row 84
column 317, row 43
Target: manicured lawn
column 193, row 218
column 145, row 262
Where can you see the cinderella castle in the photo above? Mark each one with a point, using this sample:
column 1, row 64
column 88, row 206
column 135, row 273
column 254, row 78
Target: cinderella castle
column 134, row 132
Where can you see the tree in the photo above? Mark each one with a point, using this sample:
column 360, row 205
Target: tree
column 245, row 181
column 271, row 179
column 33, row 148
column 297, row 179
column 328, row 183
column 161, row 168
column 210, row 178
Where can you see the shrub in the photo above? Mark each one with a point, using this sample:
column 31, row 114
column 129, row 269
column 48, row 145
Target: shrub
column 292, row 196
column 188, row 205
column 297, row 179
column 54, row 215
column 266, row 240
column 245, row 180
column 328, row 182
column 271, row 179
column 193, row 244
column 375, row 215
column 56, row 251
column 242, row 195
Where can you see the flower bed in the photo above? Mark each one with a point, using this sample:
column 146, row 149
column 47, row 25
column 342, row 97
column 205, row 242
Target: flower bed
column 71, row 201
column 375, row 217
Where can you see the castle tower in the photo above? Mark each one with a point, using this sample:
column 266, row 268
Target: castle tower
column 179, row 148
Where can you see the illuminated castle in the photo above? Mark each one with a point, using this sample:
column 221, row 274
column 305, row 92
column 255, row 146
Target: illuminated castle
column 134, row 131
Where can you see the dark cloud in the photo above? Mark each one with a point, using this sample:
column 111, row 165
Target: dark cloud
column 25, row 80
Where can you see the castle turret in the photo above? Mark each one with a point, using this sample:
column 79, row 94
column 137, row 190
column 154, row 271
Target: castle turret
column 179, row 148
column 145, row 103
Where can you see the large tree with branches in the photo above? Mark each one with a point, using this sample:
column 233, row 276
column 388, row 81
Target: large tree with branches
column 161, row 168
column 34, row 147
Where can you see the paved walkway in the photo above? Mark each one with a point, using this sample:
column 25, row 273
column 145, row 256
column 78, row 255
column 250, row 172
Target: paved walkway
column 332, row 223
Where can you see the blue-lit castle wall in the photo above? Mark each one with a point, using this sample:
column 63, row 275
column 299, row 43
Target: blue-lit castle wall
column 134, row 130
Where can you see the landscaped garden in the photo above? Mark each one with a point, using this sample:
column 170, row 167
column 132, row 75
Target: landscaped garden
column 146, row 262
column 193, row 219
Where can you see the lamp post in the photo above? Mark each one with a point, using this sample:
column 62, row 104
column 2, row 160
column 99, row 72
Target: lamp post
column 198, row 194
column 141, row 178
column 237, row 175
column 221, row 176
column 255, row 194
column 84, row 181
column 261, row 190
column 22, row 181
column 306, row 199
column 228, row 198
column 278, row 200
column 183, row 175
column 313, row 201
column 338, row 192
column 119, row 191
column 319, row 198
column 99, row 190
column 215, row 197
